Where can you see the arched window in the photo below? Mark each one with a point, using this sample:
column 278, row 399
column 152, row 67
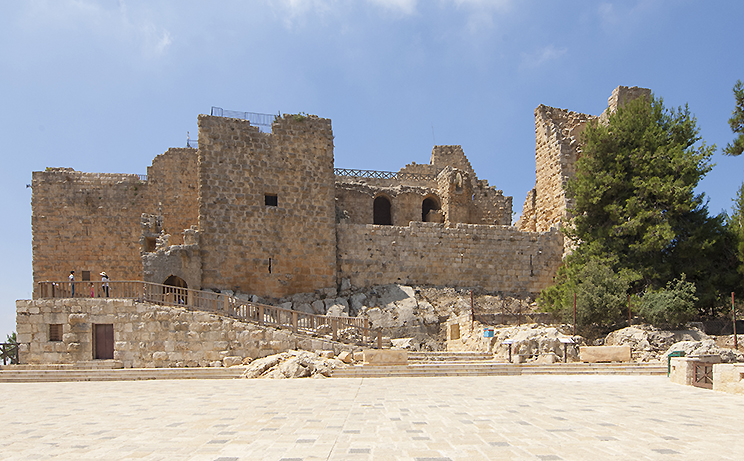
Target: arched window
column 382, row 213
column 429, row 204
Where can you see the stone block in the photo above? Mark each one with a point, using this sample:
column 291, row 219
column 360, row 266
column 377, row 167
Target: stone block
column 728, row 377
column 385, row 357
column 595, row 354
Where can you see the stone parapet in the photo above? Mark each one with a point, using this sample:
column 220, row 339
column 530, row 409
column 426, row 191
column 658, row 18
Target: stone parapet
column 728, row 377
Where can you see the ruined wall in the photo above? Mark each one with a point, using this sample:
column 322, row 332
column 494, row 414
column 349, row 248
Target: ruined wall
column 245, row 244
column 172, row 180
column 356, row 202
column 557, row 146
column 86, row 222
column 493, row 258
column 147, row 335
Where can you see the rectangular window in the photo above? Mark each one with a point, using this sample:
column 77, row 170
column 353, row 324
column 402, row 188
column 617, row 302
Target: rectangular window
column 86, row 276
column 55, row 332
column 271, row 200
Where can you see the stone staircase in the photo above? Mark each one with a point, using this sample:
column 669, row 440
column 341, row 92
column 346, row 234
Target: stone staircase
column 68, row 373
column 482, row 364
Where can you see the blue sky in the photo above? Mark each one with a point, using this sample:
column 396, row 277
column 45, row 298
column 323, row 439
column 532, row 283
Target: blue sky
column 106, row 86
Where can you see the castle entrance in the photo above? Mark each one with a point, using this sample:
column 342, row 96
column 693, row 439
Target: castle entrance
column 103, row 341
column 176, row 290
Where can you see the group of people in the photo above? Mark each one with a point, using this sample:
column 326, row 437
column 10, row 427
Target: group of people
column 104, row 284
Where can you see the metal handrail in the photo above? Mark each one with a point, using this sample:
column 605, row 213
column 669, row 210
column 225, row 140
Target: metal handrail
column 255, row 118
column 208, row 301
column 374, row 174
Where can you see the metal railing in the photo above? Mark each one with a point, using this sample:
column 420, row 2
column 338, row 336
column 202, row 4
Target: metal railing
column 373, row 174
column 344, row 329
column 256, row 119
column 192, row 143
column 9, row 353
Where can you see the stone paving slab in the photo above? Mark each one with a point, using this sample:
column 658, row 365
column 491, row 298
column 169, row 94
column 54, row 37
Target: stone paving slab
column 424, row 419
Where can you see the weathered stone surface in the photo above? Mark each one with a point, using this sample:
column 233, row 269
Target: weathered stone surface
column 385, row 357
column 594, row 354
column 345, row 357
column 729, row 378
column 231, row 361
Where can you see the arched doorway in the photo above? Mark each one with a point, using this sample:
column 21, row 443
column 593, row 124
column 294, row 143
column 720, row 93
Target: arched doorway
column 176, row 290
column 429, row 204
column 382, row 213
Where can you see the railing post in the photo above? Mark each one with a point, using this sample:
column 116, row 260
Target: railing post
column 226, row 303
column 334, row 326
column 260, row 314
column 294, row 322
column 379, row 338
column 365, row 331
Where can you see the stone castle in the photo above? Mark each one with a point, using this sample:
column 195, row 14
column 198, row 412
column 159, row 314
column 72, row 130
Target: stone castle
column 268, row 214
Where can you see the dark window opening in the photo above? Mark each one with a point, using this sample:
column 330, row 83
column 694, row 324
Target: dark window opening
column 55, row 332
column 175, row 290
column 103, row 341
column 86, row 276
column 150, row 244
column 382, row 213
column 429, row 205
column 271, row 200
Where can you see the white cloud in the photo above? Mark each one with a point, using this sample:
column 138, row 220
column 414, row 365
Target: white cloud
column 103, row 22
column 541, row 57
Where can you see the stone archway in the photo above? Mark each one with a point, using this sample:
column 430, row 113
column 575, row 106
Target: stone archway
column 175, row 290
column 382, row 211
column 427, row 206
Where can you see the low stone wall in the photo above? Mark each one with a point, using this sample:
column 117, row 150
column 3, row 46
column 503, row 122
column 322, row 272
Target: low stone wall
column 494, row 258
column 147, row 335
column 729, row 377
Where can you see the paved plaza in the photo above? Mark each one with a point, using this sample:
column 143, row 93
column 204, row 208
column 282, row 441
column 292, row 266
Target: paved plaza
column 458, row 418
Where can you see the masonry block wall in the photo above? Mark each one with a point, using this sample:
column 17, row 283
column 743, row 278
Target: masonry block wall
column 173, row 191
column 86, row 222
column 493, row 258
column 249, row 242
column 557, row 147
column 146, row 335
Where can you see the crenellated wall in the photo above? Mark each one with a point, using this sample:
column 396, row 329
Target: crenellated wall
column 493, row 258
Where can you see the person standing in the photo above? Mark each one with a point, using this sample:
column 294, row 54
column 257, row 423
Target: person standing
column 105, row 283
column 72, row 282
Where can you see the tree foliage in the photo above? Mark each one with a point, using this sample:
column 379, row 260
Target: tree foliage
column 635, row 209
column 735, row 224
column 673, row 305
column 601, row 293
column 737, row 122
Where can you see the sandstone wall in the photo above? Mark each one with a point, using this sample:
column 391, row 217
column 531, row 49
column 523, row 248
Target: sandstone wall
column 245, row 244
column 173, row 184
column 493, row 258
column 356, row 201
column 86, row 222
column 147, row 335
column 557, row 146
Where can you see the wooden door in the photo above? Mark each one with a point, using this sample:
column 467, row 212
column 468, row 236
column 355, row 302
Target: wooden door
column 103, row 341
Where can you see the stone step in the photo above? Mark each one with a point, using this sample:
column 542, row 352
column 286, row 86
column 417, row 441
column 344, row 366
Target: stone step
column 497, row 369
column 448, row 356
column 127, row 374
